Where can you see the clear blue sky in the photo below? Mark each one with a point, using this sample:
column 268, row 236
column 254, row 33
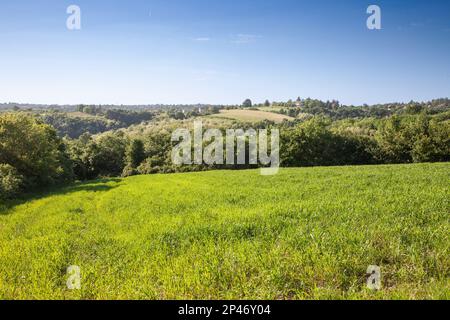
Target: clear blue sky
column 223, row 51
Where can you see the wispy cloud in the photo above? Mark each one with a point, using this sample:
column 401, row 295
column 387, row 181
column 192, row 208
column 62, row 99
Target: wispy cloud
column 202, row 39
column 245, row 38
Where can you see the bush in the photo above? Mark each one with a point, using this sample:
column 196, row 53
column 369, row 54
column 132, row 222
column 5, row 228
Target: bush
column 129, row 171
column 414, row 139
column 149, row 166
column 10, row 181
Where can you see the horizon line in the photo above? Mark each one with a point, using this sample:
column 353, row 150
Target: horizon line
column 218, row 104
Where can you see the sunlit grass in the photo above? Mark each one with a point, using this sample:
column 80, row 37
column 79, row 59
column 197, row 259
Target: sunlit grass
column 251, row 115
column 302, row 234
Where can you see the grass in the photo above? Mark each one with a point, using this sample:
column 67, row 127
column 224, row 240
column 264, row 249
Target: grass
column 271, row 109
column 251, row 115
column 78, row 114
column 302, row 234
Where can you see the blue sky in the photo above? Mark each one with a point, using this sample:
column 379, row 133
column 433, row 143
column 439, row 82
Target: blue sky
column 217, row 51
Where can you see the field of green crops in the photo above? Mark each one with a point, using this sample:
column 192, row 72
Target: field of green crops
column 303, row 234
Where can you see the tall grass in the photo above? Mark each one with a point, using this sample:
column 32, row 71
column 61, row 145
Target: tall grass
column 302, row 234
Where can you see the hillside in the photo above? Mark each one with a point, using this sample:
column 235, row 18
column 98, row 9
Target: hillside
column 251, row 115
column 305, row 233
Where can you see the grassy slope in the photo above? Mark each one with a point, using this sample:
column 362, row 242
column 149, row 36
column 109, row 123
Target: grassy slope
column 305, row 233
column 251, row 115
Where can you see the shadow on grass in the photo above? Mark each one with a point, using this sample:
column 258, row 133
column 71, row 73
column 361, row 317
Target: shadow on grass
column 102, row 185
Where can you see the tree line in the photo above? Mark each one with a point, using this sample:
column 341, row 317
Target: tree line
column 33, row 156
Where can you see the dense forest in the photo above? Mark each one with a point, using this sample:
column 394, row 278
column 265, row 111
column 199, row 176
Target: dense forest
column 50, row 147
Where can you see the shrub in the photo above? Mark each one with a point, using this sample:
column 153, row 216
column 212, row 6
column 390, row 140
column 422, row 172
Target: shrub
column 149, row 166
column 10, row 181
column 129, row 171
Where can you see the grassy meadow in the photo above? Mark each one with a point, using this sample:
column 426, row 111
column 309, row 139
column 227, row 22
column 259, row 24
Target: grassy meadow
column 251, row 115
column 303, row 234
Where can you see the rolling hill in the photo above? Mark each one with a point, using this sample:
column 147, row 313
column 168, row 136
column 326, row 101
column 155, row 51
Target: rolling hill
column 251, row 115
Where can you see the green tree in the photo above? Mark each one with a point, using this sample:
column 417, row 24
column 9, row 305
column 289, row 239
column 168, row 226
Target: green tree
column 34, row 150
column 395, row 141
column 103, row 156
column 135, row 153
column 247, row 103
column 313, row 143
column 106, row 155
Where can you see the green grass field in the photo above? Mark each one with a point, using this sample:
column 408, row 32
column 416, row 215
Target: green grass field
column 302, row 234
column 251, row 116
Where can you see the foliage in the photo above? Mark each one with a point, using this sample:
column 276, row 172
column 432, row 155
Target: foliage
column 181, row 114
column 128, row 118
column 74, row 127
column 315, row 142
column 103, row 156
column 247, row 103
column 43, row 159
column 134, row 156
column 96, row 121
column 135, row 153
column 10, row 181
column 336, row 111
column 312, row 143
column 416, row 139
column 34, row 150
